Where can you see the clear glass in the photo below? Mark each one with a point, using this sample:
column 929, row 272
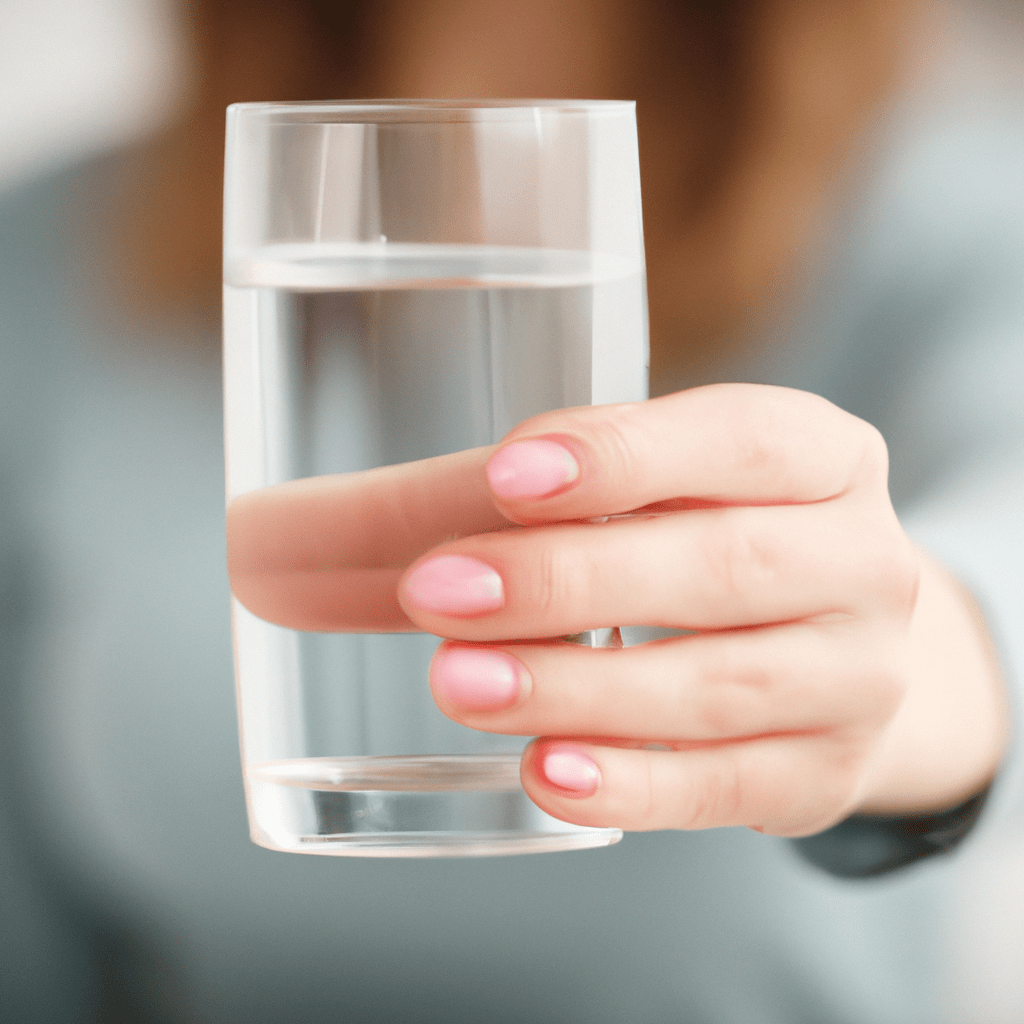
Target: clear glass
column 404, row 280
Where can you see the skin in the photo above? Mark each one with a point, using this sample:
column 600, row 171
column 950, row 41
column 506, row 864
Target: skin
column 833, row 666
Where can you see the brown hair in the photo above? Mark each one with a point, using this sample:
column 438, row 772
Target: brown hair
column 795, row 84
column 746, row 111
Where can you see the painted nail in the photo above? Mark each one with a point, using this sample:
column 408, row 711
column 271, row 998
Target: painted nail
column 570, row 769
column 531, row 469
column 455, row 585
column 478, row 680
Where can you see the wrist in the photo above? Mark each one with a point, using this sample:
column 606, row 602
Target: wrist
column 947, row 740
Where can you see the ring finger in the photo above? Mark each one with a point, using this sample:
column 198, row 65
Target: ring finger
column 681, row 692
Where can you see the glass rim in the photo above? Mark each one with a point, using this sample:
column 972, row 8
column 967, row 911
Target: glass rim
column 367, row 111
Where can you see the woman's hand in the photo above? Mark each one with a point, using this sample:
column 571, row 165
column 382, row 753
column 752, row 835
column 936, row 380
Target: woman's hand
column 831, row 667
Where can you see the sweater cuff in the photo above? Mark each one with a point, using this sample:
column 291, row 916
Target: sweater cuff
column 865, row 845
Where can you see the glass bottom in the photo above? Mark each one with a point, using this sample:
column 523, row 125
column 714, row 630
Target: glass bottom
column 423, row 806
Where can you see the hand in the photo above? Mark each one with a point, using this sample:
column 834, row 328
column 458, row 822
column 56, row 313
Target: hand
column 816, row 681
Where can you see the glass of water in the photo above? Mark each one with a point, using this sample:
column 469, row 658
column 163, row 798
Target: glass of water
column 406, row 279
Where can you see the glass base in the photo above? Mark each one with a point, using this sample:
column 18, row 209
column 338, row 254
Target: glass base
column 423, row 806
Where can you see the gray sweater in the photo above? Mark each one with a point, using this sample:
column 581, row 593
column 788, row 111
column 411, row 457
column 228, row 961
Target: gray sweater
column 130, row 887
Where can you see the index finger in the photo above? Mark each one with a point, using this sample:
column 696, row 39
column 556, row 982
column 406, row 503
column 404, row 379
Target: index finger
column 726, row 444
column 327, row 552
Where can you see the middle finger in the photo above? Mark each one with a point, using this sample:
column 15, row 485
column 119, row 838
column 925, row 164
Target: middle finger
column 707, row 569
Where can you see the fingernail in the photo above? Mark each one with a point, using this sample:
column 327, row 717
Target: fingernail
column 455, row 585
column 478, row 680
column 531, row 469
column 570, row 769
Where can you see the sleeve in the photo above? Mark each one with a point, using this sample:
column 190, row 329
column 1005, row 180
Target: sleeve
column 917, row 325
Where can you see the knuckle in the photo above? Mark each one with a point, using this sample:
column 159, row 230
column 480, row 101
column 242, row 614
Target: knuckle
column 836, row 765
column 714, row 718
column 757, row 427
column 615, row 446
column 870, row 682
column 551, row 586
column 634, row 801
column 716, row 796
column 647, row 804
column 766, row 428
column 545, row 582
column 738, row 561
column 873, row 464
column 732, row 695
column 892, row 568
column 874, row 690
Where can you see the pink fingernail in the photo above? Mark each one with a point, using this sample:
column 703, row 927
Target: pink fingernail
column 571, row 769
column 479, row 680
column 455, row 585
column 531, row 469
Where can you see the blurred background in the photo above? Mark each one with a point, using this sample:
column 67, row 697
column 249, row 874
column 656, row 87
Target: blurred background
column 80, row 78
column 829, row 186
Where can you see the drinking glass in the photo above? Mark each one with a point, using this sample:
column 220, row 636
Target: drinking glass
column 405, row 279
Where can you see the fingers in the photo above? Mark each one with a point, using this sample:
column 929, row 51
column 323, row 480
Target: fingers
column 710, row 569
column 784, row 785
column 321, row 554
column 725, row 444
column 767, row 728
column 780, row 537
column 695, row 689
column 327, row 553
